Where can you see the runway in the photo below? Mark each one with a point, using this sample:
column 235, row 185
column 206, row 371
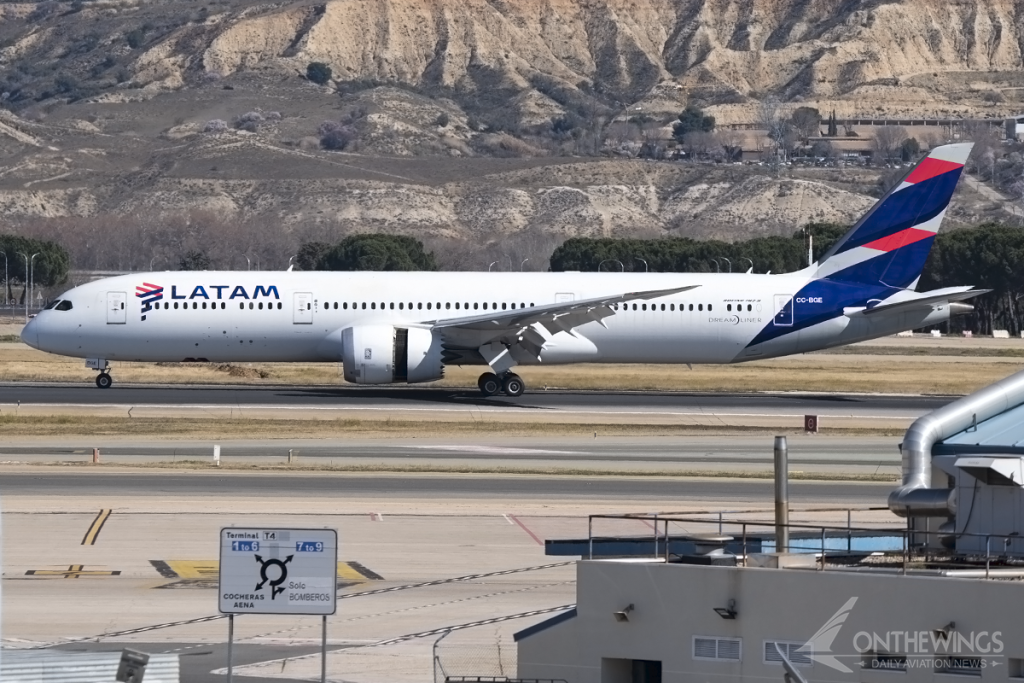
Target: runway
column 439, row 398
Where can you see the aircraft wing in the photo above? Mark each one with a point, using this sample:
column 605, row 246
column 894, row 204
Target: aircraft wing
column 925, row 300
column 515, row 332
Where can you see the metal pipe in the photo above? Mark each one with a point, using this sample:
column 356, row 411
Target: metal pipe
column 323, row 651
column 781, row 495
column 915, row 497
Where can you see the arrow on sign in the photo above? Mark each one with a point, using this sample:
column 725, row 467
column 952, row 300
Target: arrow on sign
column 274, row 583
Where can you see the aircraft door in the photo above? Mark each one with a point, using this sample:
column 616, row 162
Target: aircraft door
column 783, row 310
column 302, row 313
column 117, row 305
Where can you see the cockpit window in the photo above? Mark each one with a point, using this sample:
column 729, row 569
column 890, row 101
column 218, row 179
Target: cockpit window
column 51, row 304
column 64, row 305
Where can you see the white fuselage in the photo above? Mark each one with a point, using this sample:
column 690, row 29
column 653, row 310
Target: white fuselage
column 299, row 316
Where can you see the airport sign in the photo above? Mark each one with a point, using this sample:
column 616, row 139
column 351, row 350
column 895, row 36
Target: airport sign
column 278, row 571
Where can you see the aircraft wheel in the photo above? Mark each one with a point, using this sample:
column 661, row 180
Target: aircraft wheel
column 513, row 385
column 103, row 380
column 489, row 384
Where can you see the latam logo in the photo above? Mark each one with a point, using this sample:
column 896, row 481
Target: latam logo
column 149, row 294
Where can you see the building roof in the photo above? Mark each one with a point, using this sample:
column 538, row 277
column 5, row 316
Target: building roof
column 1002, row 434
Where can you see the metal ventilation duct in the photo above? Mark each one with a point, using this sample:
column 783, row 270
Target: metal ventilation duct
column 915, row 497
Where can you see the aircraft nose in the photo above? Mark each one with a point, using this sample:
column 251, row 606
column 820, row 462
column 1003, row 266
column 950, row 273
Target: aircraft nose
column 30, row 333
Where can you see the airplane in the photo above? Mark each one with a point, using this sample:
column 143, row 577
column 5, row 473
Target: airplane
column 405, row 327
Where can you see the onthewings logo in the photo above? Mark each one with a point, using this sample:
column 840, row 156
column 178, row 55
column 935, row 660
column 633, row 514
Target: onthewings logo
column 819, row 647
column 149, row 294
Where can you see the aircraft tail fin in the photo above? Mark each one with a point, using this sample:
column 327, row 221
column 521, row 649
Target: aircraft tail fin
column 890, row 243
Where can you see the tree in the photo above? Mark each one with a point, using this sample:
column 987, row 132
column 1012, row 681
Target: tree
column 310, row 255
column 373, row 252
column 336, row 136
column 692, row 120
column 194, row 260
column 50, row 268
column 889, row 141
column 807, row 122
column 318, row 73
column 769, row 114
column 833, row 129
column 910, row 149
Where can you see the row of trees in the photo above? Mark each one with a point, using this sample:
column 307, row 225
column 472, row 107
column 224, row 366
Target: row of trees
column 366, row 252
column 43, row 262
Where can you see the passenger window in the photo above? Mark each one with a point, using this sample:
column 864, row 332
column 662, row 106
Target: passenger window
column 373, row 305
column 476, row 306
column 634, row 307
column 456, row 305
column 419, row 306
column 663, row 307
column 241, row 305
column 392, row 307
column 175, row 305
column 700, row 307
column 709, row 307
column 251, row 306
column 749, row 308
column 447, row 305
column 279, row 305
column 671, row 307
column 504, row 306
column 428, row 305
column 643, row 307
column 485, row 305
column 728, row 307
column 691, row 307
column 401, row 306
column 64, row 305
column 494, row 306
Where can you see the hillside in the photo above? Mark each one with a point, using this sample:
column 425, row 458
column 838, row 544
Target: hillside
column 444, row 108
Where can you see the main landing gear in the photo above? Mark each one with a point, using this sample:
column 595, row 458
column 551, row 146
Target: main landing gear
column 103, row 380
column 510, row 384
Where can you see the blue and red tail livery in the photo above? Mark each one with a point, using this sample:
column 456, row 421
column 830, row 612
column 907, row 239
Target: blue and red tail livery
column 885, row 252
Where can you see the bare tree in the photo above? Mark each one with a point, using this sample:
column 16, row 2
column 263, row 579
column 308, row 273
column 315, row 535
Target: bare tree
column 888, row 140
column 769, row 115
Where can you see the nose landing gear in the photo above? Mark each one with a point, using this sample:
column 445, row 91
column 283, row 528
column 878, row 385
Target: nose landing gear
column 509, row 383
column 103, row 380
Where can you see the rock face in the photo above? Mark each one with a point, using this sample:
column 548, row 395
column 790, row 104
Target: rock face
column 721, row 50
column 862, row 57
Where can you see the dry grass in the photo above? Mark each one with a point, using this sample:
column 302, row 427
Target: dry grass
column 198, row 427
column 853, row 373
column 205, row 465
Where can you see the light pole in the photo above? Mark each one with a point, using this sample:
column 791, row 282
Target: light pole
column 7, row 298
column 489, row 265
column 25, row 256
column 248, row 263
column 750, row 262
column 523, row 264
column 32, row 276
column 718, row 268
column 622, row 267
column 637, row 258
column 727, row 261
column 257, row 261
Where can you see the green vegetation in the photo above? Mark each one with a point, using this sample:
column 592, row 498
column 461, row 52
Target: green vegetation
column 367, row 252
column 50, row 267
column 319, row 73
column 692, row 120
column 681, row 254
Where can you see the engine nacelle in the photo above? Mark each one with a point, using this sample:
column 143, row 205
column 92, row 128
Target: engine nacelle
column 383, row 354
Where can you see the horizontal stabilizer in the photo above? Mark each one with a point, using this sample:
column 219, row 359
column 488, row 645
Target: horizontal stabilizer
column 924, row 300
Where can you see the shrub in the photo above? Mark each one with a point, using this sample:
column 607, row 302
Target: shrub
column 442, row 120
column 336, row 136
column 215, row 126
column 318, row 73
column 250, row 121
column 135, row 38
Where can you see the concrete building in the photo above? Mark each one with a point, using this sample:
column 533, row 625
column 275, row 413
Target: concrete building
column 940, row 600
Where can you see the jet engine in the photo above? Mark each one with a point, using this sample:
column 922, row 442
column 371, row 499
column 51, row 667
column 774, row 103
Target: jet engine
column 384, row 354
